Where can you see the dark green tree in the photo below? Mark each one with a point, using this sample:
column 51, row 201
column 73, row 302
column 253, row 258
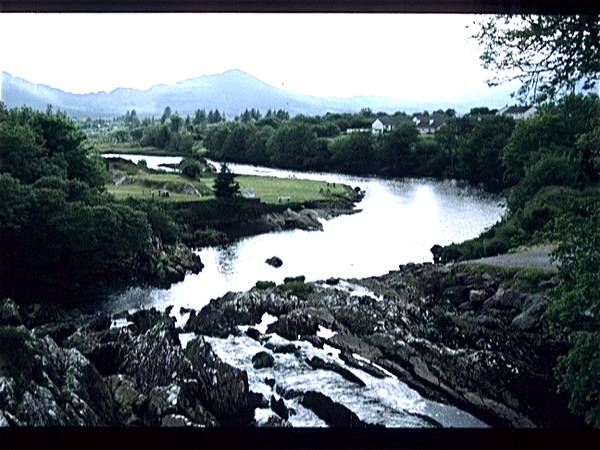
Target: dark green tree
column 225, row 187
column 574, row 310
column 200, row 116
column 395, row 149
column 166, row 114
column 549, row 55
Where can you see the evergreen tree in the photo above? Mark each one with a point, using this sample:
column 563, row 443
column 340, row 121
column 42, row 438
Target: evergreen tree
column 225, row 186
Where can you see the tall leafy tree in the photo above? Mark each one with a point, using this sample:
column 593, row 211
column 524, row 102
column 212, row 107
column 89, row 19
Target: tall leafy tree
column 549, row 55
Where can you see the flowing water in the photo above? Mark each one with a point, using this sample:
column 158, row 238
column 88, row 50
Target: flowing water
column 399, row 221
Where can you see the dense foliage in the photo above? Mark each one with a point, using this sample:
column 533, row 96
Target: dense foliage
column 549, row 55
column 468, row 148
column 57, row 226
column 575, row 311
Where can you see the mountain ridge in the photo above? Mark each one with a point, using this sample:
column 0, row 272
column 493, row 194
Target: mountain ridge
column 231, row 92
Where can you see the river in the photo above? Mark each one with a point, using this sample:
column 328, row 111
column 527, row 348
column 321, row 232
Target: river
column 399, row 221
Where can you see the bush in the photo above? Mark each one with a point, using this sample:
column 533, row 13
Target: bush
column 297, row 286
column 264, row 284
column 191, row 168
column 15, row 355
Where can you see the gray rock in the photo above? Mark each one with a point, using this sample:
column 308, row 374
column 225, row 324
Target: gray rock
column 223, row 389
column 318, row 363
column 274, row 261
column 365, row 366
column 530, row 319
column 155, row 358
column 162, row 400
column 296, row 323
column 278, row 406
column 253, row 333
column 262, row 360
column 176, row 420
column 221, row 317
column 549, row 284
column 9, row 313
column 506, row 299
column 456, row 294
column 127, row 399
column 335, row 414
column 190, row 190
column 276, row 422
column 477, row 296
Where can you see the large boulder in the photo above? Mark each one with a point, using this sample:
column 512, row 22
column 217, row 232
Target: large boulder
column 223, row 389
column 294, row 325
column 335, row 414
column 54, row 386
column 456, row 294
column 129, row 402
column 506, row 299
column 317, row 363
column 262, row 360
column 221, row 317
column 9, row 313
column 274, row 261
column 155, row 358
column 531, row 318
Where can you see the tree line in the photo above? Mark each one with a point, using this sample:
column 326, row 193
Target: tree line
column 57, row 225
column 468, row 148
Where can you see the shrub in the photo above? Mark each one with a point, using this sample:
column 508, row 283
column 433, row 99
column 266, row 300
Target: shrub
column 264, row 284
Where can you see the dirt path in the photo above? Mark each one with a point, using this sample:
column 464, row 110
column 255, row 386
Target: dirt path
column 537, row 256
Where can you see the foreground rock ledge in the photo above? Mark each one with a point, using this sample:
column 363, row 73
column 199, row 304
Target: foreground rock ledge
column 465, row 339
column 132, row 376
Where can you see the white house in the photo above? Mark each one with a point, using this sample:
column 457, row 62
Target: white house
column 428, row 124
column 518, row 112
column 386, row 123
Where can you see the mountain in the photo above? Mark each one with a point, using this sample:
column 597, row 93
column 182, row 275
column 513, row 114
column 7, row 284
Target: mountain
column 231, row 92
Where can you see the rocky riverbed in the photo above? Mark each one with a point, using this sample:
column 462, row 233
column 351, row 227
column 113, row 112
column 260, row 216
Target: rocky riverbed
column 464, row 337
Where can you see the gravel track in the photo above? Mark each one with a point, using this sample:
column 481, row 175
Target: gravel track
column 537, row 257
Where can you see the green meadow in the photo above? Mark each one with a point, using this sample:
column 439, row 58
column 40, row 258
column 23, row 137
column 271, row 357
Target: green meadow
column 267, row 189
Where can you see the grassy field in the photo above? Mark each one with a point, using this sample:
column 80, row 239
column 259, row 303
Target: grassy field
column 267, row 189
column 270, row 189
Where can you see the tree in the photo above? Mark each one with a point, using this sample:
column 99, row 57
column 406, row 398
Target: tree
column 549, row 55
column 574, row 309
column 395, row 149
column 200, row 116
column 225, row 187
column 166, row 114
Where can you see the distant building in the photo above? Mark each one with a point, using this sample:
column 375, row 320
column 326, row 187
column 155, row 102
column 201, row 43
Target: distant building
column 518, row 112
column 386, row 123
column 428, row 124
column 358, row 130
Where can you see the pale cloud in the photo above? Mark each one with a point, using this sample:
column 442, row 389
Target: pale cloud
column 413, row 57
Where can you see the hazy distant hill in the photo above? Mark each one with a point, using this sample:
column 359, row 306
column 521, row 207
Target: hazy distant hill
column 232, row 92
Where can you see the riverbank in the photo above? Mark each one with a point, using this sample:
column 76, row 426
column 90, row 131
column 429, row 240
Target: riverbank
column 470, row 338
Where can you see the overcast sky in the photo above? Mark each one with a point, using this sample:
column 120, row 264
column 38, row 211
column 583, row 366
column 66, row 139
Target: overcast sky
column 411, row 57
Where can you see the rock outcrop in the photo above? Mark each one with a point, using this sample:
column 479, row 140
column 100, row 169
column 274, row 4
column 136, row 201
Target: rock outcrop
column 131, row 376
column 463, row 338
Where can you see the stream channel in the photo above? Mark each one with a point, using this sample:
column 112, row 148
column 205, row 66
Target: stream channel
column 399, row 221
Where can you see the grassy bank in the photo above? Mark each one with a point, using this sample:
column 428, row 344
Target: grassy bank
column 271, row 189
column 141, row 184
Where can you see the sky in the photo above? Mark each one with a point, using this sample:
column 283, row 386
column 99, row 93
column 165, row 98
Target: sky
column 406, row 56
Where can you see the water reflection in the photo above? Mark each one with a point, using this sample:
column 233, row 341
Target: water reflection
column 227, row 257
column 400, row 221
